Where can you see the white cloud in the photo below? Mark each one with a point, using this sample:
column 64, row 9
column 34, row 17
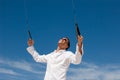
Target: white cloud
column 94, row 72
column 27, row 66
column 17, row 70
column 84, row 71
column 8, row 71
column 22, row 65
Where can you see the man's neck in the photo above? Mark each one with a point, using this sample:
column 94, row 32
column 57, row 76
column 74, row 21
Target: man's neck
column 59, row 49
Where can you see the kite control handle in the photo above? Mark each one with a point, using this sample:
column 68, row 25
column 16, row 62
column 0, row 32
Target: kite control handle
column 77, row 30
column 29, row 35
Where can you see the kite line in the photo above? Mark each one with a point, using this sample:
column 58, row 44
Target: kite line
column 26, row 20
column 75, row 19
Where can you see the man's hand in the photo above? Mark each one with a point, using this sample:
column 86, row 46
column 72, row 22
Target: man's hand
column 80, row 39
column 30, row 42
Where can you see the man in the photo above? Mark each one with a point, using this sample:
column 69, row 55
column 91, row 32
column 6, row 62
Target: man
column 59, row 60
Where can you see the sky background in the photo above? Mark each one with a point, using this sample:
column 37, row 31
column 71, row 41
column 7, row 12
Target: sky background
column 49, row 20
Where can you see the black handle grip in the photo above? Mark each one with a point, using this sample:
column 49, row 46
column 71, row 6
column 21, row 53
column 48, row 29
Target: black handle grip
column 29, row 35
column 77, row 30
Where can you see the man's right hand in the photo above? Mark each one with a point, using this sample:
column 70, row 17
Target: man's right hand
column 30, row 42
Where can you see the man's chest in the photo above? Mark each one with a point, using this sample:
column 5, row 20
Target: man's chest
column 58, row 59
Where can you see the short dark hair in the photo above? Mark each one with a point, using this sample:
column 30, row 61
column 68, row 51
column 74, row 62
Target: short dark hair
column 68, row 43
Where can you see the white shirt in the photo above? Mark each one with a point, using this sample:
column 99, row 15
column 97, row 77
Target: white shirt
column 57, row 62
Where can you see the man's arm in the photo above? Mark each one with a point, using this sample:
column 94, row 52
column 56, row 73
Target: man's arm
column 34, row 53
column 80, row 39
column 77, row 57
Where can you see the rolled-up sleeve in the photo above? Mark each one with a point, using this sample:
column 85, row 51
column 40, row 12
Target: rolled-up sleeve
column 77, row 57
column 36, row 56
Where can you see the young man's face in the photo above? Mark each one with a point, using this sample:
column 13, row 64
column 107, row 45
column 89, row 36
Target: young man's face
column 63, row 43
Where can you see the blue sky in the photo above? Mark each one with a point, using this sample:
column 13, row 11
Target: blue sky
column 49, row 20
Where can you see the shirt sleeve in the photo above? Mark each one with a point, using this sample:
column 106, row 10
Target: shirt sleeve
column 77, row 57
column 36, row 56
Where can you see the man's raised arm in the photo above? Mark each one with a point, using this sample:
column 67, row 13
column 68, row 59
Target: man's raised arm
column 80, row 39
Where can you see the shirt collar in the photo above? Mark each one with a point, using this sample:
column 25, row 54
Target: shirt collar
column 59, row 51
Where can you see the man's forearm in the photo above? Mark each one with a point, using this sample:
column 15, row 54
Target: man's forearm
column 80, row 48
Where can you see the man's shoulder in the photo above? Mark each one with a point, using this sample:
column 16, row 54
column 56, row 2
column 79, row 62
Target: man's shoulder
column 50, row 53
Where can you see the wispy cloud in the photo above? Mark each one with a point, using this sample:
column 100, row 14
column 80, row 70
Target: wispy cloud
column 94, row 72
column 8, row 71
column 17, row 70
column 23, row 65
column 84, row 71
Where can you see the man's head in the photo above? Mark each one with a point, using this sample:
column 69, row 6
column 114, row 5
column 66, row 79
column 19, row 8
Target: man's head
column 64, row 43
